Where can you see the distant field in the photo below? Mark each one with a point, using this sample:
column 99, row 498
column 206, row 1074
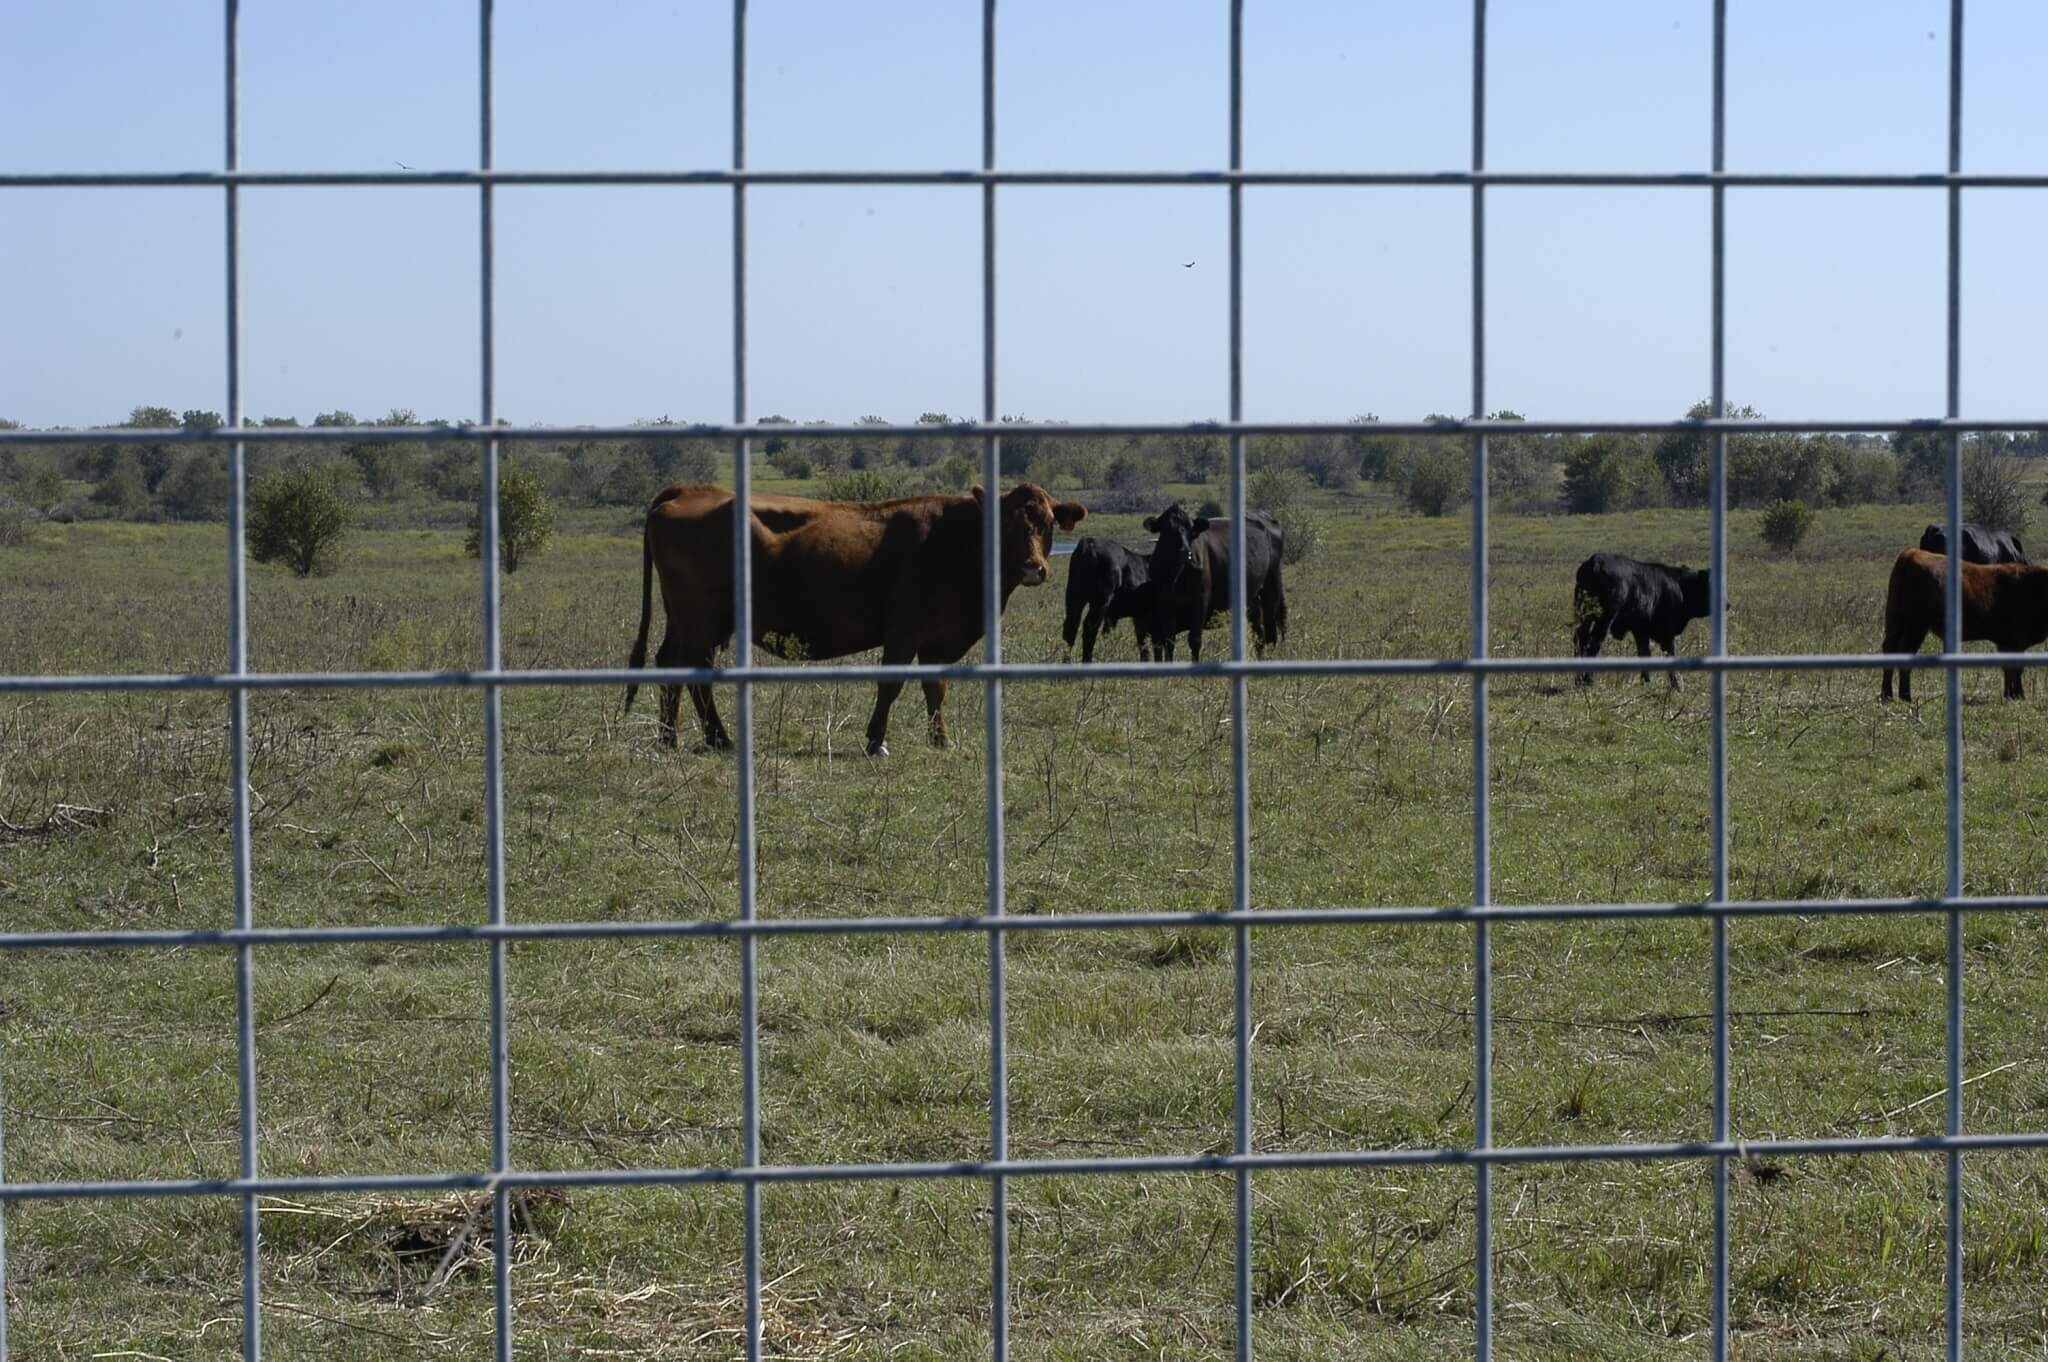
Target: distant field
column 368, row 808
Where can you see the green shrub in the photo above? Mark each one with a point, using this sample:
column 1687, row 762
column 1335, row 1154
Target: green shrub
column 198, row 488
column 526, row 518
column 956, row 474
column 868, row 484
column 1271, row 490
column 1302, row 532
column 297, row 517
column 1609, row 473
column 1436, row 476
column 1785, row 523
column 13, row 523
column 45, row 489
column 124, row 493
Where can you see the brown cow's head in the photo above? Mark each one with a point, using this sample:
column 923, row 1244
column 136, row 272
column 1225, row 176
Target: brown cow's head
column 1028, row 514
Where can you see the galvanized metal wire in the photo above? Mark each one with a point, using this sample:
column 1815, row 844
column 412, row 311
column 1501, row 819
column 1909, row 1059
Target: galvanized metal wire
column 504, row 1176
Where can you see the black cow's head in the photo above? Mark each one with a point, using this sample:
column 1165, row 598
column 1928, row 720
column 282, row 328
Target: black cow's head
column 1697, row 586
column 1028, row 514
column 1174, row 551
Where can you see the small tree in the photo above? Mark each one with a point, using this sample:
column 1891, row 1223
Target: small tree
column 298, row 518
column 526, row 519
column 45, row 488
column 1994, row 490
column 1785, row 523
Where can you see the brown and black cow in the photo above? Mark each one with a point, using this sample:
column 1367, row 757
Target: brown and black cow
column 833, row 578
column 2006, row 603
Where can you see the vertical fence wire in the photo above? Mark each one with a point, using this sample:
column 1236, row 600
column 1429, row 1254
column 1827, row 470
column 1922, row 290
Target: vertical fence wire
column 743, row 708
column 3, row 1214
column 494, row 696
column 238, row 700
column 1240, row 742
column 1717, row 733
column 1952, row 634
column 1482, row 834
column 992, row 624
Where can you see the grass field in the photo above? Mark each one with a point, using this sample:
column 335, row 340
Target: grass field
column 368, row 808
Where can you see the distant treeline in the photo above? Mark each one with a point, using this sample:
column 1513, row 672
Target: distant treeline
column 1430, row 473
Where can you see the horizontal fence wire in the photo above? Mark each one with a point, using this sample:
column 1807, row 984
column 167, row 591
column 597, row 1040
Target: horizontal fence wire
column 1013, row 430
column 1245, row 917
column 1020, row 671
column 1643, row 1152
column 865, row 179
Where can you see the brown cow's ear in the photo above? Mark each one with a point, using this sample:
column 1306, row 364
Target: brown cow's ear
column 1069, row 513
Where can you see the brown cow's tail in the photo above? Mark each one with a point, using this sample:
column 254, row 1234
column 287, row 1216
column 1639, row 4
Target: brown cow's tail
column 639, row 657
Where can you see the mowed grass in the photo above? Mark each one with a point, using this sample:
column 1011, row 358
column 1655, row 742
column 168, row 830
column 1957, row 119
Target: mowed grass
column 368, row 808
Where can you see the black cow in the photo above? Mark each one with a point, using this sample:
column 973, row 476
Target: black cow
column 1107, row 582
column 1653, row 601
column 1191, row 578
column 1980, row 544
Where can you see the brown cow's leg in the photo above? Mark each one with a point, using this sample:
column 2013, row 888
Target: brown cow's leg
column 885, row 696
column 1899, row 642
column 935, row 708
column 935, row 691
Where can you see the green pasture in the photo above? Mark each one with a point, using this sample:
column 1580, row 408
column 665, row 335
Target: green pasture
column 369, row 806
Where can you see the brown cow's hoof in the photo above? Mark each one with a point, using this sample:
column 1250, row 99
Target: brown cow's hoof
column 941, row 741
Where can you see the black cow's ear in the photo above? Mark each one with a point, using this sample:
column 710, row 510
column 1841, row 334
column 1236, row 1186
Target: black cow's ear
column 977, row 492
column 1151, row 524
column 1201, row 524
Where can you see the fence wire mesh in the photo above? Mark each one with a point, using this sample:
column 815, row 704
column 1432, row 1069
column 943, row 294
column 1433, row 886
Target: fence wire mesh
column 503, row 1177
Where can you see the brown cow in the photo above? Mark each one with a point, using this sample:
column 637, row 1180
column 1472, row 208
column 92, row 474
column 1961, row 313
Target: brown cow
column 2006, row 603
column 833, row 578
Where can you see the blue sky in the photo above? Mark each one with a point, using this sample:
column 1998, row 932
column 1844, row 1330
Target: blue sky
column 615, row 304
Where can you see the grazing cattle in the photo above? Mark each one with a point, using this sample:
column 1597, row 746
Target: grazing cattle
column 1107, row 582
column 1654, row 601
column 833, row 578
column 1980, row 545
column 1191, row 578
column 2006, row 603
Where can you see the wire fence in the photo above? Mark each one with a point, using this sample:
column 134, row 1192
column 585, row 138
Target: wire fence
column 502, row 1178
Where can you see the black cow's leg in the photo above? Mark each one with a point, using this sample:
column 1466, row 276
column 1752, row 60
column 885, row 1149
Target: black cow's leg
column 1194, row 645
column 1090, row 628
column 1144, row 642
column 1671, row 650
column 1642, row 650
column 2015, row 688
column 1592, row 632
column 1071, row 623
